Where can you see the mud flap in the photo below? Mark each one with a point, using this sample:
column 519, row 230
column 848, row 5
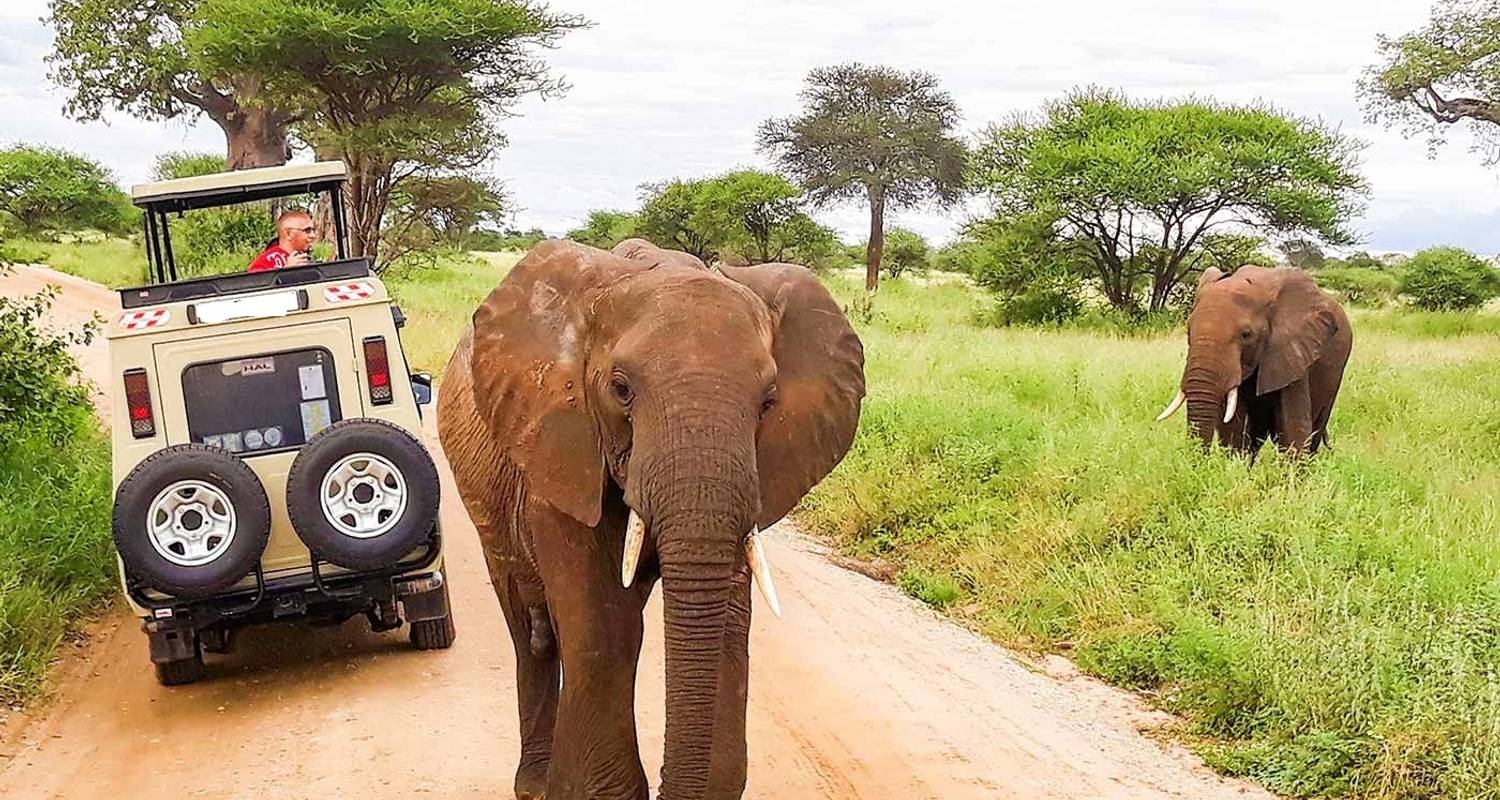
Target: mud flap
column 424, row 598
column 169, row 644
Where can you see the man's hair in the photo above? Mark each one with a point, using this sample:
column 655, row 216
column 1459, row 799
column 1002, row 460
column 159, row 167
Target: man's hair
column 289, row 215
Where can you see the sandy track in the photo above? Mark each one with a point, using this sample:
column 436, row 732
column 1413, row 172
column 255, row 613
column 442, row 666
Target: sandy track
column 859, row 692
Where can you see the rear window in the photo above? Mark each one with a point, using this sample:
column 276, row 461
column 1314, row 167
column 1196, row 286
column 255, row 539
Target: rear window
column 266, row 404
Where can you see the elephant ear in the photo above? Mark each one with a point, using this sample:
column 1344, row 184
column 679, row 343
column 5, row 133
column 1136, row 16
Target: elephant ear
column 1302, row 324
column 528, row 366
column 1209, row 275
column 820, row 382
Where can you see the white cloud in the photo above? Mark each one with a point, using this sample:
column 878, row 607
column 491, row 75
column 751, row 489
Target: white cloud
column 676, row 88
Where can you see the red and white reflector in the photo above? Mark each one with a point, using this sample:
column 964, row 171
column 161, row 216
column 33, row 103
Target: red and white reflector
column 345, row 292
column 148, row 318
column 138, row 402
column 378, row 371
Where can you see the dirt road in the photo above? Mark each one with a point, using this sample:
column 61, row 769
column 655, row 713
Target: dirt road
column 859, row 692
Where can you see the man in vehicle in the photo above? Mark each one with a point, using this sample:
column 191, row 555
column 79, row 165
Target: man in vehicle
column 294, row 237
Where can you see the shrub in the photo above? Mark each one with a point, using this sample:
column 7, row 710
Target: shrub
column 45, row 190
column 1447, row 279
column 1359, row 285
column 38, row 391
column 218, row 240
column 905, row 250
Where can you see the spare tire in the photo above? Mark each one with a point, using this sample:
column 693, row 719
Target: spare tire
column 191, row 520
column 362, row 494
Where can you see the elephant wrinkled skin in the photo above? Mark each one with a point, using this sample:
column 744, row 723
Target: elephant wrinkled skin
column 594, row 389
column 1266, row 355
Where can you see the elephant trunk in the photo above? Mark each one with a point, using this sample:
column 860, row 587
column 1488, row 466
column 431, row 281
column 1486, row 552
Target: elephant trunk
column 700, row 496
column 706, row 589
column 1206, row 397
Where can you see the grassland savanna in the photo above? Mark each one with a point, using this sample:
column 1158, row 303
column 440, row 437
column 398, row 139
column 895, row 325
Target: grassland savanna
column 1330, row 627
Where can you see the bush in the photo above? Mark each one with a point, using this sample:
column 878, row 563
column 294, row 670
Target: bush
column 38, row 391
column 1449, row 279
column 490, row 241
column 1360, row 286
column 44, row 190
column 214, row 241
column 905, row 251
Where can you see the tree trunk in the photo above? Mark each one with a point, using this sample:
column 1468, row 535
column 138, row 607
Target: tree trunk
column 876, row 248
column 255, row 137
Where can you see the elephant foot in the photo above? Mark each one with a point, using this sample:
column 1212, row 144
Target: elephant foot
column 531, row 782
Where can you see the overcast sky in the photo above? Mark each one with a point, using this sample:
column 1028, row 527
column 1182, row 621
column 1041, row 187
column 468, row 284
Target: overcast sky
column 664, row 89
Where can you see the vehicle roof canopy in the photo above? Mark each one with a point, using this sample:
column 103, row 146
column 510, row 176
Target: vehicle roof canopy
column 240, row 186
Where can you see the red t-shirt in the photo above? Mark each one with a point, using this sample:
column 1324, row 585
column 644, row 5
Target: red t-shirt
column 273, row 257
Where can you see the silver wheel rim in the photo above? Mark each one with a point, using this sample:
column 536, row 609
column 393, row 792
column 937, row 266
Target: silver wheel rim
column 191, row 523
column 363, row 495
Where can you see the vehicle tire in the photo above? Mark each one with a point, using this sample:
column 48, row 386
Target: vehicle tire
column 363, row 494
column 191, row 520
column 177, row 673
column 433, row 634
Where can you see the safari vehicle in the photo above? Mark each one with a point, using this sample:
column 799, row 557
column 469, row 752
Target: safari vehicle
column 268, row 461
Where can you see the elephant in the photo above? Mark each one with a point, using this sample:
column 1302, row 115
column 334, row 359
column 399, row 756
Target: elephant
column 1266, row 355
column 612, row 422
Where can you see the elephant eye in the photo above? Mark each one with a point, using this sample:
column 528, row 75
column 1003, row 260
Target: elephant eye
column 767, row 404
column 1245, row 334
column 620, row 389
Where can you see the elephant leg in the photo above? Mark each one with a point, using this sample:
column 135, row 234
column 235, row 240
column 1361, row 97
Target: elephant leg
column 598, row 625
column 538, row 671
column 538, row 683
column 1294, row 417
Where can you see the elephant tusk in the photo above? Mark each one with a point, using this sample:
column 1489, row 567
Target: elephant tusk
column 1172, row 406
column 761, row 569
column 635, row 538
column 1231, row 404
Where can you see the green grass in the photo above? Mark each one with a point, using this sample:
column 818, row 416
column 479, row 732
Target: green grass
column 113, row 262
column 1330, row 628
column 56, row 557
column 439, row 302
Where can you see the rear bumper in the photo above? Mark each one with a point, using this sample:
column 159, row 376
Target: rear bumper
column 416, row 583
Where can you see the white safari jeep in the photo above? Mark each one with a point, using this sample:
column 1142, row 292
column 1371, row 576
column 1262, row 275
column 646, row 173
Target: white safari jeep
column 268, row 461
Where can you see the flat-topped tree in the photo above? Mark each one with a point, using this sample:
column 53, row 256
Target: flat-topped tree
column 872, row 133
column 130, row 56
column 1441, row 75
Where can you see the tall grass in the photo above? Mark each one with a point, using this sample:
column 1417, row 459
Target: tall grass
column 56, row 557
column 1330, row 628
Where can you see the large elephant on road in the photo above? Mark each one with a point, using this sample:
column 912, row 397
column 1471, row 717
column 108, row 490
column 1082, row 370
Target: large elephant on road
column 614, row 420
column 1266, row 356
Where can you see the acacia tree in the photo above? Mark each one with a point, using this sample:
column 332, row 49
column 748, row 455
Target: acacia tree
column 1441, row 75
column 1145, row 185
column 131, row 56
column 605, row 229
column 393, row 87
column 874, row 133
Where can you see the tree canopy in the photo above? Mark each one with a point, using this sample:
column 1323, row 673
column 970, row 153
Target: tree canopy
column 605, row 229
column 45, row 190
column 131, row 56
column 444, row 210
column 872, row 133
column 1144, row 186
column 393, row 87
column 748, row 215
column 1440, row 75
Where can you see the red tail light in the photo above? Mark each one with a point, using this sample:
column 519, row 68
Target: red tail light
column 138, row 401
column 378, row 371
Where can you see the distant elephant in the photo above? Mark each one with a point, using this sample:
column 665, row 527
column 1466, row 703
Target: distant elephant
column 1266, row 356
column 610, row 422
